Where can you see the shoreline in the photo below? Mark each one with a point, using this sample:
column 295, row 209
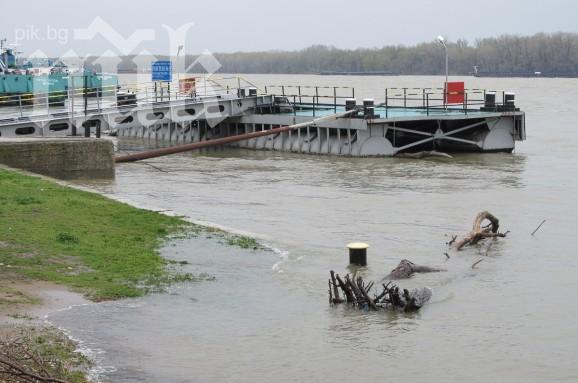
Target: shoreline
column 26, row 299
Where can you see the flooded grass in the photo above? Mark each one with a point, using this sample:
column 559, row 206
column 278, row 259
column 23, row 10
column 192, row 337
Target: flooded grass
column 244, row 242
column 10, row 297
column 102, row 248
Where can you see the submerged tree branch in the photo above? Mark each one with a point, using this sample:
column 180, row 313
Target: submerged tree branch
column 479, row 233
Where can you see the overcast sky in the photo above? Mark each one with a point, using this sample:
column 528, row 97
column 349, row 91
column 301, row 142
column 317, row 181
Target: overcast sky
column 251, row 25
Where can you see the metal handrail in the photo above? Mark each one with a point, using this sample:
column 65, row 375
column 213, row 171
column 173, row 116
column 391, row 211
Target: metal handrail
column 302, row 97
column 429, row 99
column 429, row 95
column 97, row 99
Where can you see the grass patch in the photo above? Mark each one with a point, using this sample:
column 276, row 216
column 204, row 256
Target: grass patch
column 21, row 316
column 66, row 238
column 10, row 297
column 243, row 242
column 47, row 230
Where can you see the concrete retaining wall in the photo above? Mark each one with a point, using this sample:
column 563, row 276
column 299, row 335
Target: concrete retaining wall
column 66, row 158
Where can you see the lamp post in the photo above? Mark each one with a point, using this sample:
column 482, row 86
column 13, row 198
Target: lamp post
column 442, row 41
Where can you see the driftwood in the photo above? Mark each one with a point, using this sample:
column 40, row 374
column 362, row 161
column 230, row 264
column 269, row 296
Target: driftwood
column 406, row 269
column 424, row 154
column 357, row 294
column 39, row 355
column 539, row 226
column 476, row 263
column 19, row 373
column 334, row 298
column 480, row 232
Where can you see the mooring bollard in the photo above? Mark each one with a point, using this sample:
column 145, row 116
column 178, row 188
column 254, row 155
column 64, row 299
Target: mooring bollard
column 358, row 253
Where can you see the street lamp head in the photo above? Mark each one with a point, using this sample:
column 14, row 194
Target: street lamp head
column 442, row 40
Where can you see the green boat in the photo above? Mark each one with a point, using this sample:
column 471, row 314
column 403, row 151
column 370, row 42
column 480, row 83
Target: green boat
column 37, row 84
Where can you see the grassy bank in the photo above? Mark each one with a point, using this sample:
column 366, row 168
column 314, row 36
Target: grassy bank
column 102, row 248
column 91, row 244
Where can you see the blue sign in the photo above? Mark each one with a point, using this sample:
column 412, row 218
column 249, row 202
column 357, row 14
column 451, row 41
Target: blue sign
column 162, row 71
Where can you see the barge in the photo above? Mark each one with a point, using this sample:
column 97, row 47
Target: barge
column 403, row 120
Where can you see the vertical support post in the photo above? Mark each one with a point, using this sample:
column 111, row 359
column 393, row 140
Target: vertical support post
column 115, row 95
column 386, row 104
column 299, row 140
column 283, row 90
column 313, row 99
column 349, row 141
column 98, row 129
column 98, row 96
column 317, row 94
column 71, row 102
column 423, row 98
column 427, row 104
column 334, row 99
column 465, row 102
column 85, row 95
column 294, row 108
column 405, row 97
column 299, row 90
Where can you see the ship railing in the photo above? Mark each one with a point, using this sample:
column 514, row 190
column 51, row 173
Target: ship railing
column 27, row 105
column 313, row 98
column 426, row 100
column 189, row 87
column 80, row 101
column 437, row 100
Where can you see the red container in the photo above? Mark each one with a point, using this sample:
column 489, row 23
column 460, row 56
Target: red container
column 454, row 92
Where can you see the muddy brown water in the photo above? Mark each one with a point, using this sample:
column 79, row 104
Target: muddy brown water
column 266, row 316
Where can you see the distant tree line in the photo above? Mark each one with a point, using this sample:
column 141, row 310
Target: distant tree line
column 546, row 53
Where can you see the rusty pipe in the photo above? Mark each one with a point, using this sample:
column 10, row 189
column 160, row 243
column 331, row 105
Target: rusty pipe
column 222, row 141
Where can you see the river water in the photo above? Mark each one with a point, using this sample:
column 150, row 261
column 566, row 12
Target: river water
column 265, row 318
